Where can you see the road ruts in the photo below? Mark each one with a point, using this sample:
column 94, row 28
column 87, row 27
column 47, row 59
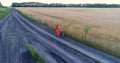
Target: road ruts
column 15, row 31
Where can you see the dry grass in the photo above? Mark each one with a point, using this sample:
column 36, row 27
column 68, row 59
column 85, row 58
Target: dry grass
column 99, row 26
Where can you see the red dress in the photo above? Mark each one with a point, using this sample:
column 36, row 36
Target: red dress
column 57, row 31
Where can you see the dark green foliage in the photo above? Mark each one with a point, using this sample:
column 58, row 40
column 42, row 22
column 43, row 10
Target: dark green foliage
column 4, row 12
column 1, row 5
column 37, row 4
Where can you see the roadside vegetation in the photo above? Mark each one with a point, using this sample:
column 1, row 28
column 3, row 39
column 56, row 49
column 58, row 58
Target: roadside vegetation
column 35, row 55
column 1, row 6
column 3, row 11
column 97, row 33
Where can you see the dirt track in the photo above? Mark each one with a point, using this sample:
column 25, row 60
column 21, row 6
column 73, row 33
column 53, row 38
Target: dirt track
column 15, row 31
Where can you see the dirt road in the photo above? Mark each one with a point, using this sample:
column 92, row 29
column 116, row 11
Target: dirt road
column 15, row 31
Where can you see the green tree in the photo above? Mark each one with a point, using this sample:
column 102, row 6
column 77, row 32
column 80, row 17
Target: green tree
column 0, row 5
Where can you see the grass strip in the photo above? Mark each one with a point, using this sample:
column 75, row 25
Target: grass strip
column 35, row 55
column 4, row 12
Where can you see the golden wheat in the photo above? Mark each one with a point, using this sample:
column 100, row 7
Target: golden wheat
column 98, row 26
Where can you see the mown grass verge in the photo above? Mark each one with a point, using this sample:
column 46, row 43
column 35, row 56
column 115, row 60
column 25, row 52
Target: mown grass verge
column 35, row 55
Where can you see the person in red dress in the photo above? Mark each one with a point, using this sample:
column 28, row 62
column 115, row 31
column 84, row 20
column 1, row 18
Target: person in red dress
column 57, row 30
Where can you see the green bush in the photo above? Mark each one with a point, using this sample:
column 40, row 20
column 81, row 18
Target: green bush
column 4, row 12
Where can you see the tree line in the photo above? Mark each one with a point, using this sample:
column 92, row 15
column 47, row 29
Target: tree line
column 1, row 5
column 38, row 4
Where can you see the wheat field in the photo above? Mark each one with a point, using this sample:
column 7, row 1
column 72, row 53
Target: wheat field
column 99, row 27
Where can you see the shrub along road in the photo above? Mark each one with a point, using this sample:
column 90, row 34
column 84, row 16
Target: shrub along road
column 17, row 32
